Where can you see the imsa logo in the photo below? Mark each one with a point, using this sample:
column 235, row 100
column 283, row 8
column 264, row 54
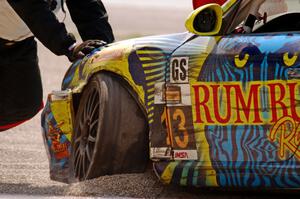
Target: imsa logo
column 179, row 69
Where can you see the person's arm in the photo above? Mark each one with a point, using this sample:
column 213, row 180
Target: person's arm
column 44, row 24
column 91, row 19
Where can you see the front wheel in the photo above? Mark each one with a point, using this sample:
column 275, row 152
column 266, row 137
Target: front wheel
column 111, row 132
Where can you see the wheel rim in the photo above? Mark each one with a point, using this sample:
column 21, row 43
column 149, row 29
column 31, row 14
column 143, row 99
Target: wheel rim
column 85, row 135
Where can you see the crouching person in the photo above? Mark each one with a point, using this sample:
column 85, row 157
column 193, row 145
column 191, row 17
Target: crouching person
column 20, row 22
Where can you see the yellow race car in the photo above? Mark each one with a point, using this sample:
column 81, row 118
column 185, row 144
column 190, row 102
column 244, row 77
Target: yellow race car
column 215, row 106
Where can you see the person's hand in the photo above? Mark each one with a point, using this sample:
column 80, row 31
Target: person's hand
column 81, row 50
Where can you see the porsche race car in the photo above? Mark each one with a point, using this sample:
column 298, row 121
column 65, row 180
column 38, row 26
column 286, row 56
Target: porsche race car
column 208, row 107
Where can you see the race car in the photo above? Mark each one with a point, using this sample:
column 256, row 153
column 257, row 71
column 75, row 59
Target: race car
column 211, row 107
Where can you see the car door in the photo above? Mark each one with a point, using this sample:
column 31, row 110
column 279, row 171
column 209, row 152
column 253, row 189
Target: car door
column 232, row 104
column 244, row 99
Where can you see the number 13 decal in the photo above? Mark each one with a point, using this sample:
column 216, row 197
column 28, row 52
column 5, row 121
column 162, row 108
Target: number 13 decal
column 182, row 139
column 179, row 127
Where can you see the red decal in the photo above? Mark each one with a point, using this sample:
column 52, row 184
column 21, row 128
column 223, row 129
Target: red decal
column 242, row 106
column 202, row 104
column 276, row 102
column 217, row 102
column 181, row 155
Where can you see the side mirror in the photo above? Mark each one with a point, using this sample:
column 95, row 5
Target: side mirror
column 205, row 20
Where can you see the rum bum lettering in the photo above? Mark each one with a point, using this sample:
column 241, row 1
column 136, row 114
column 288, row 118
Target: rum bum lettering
column 239, row 104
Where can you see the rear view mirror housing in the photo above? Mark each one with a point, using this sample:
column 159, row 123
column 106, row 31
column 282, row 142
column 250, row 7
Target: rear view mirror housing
column 205, row 20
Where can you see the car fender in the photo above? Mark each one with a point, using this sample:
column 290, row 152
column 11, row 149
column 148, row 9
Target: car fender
column 125, row 59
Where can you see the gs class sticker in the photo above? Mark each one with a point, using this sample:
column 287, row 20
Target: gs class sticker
column 179, row 69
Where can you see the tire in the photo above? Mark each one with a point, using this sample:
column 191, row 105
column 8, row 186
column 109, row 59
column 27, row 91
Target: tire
column 111, row 132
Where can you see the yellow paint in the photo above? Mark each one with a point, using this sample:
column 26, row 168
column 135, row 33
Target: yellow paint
column 167, row 175
column 179, row 116
column 149, row 52
column 154, row 64
column 149, row 58
column 63, row 114
column 204, row 159
column 151, row 90
column 189, row 24
column 154, row 70
column 113, row 59
column 286, row 132
column 228, row 5
column 241, row 63
column 290, row 61
column 150, row 115
column 148, row 78
column 150, row 103
column 151, row 84
column 151, row 109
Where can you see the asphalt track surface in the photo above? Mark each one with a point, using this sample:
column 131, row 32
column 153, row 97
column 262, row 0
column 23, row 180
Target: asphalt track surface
column 24, row 169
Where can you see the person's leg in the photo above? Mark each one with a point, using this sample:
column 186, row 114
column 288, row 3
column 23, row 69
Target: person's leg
column 20, row 84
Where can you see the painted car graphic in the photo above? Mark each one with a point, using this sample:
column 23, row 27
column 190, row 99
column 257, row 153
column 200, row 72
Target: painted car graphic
column 208, row 109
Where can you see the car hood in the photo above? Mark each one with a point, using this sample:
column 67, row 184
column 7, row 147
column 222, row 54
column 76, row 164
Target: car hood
column 118, row 56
